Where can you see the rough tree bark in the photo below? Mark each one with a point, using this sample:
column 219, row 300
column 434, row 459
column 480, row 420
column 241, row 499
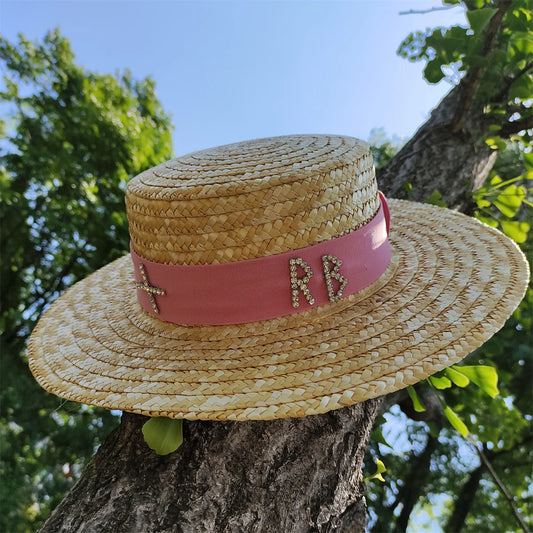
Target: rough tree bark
column 295, row 475
column 285, row 475
column 448, row 152
column 437, row 158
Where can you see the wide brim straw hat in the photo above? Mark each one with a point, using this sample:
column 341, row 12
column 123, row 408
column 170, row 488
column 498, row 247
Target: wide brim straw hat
column 447, row 285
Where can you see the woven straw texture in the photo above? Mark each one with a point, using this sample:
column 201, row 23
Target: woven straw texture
column 251, row 199
column 451, row 285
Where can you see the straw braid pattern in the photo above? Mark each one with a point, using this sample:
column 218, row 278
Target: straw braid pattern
column 210, row 173
column 451, row 284
column 219, row 205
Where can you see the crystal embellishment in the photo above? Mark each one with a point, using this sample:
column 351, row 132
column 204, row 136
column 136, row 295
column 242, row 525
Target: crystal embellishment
column 333, row 274
column 300, row 284
column 150, row 289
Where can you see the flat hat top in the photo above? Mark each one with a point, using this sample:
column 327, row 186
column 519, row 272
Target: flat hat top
column 256, row 164
column 450, row 285
column 251, row 199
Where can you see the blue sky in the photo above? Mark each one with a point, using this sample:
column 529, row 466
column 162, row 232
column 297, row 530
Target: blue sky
column 231, row 71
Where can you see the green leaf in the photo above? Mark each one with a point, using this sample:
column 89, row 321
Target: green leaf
column 485, row 377
column 450, row 45
column 163, row 435
column 457, row 378
column 377, row 436
column 522, row 88
column 479, row 18
column 516, row 230
column 475, row 4
column 510, row 200
column 482, row 203
column 527, row 159
column 489, row 221
column 455, row 421
column 408, row 188
column 496, row 143
column 523, row 42
column 380, row 468
column 498, row 183
column 417, row 402
column 441, row 382
column 433, row 72
column 436, row 199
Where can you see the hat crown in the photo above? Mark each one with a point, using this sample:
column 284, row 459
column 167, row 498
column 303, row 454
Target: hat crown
column 252, row 199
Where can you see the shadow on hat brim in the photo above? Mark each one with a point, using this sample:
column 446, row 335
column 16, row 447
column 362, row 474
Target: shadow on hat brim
column 451, row 285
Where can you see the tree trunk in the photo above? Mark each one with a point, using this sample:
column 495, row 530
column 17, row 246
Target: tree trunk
column 438, row 159
column 290, row 475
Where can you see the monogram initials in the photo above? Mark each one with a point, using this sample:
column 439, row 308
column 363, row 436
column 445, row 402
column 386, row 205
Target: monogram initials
column 333, row 274
column 330, row 274
column 300, row 283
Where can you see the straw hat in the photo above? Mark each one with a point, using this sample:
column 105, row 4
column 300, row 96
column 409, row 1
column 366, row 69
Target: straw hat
column 445, row 284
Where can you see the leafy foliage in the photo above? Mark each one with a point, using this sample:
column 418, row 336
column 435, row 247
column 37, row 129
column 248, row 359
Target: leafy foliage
column 73, row 139
column 434, row 439
column 495, row 52
column 383, row 146
column 456, row 480
column 499, row 202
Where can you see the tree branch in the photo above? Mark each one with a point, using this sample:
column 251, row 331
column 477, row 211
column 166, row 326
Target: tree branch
column 424, row 11
column 464, row 501
column 415, row 483
column 488, row 465
column 466, row 497
column 289, row 474
column 513, row 109
column 515, row 126
column 472, row 80
column 505, row 90
column 408, row 493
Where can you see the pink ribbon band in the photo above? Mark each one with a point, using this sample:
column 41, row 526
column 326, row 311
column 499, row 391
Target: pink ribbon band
column 266, row 287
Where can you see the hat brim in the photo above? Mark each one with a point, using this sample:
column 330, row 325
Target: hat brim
column 451, row 285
